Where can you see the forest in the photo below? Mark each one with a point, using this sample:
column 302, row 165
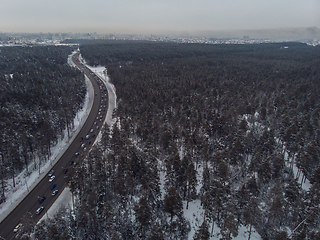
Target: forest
column 232, row 127
column 39, row 98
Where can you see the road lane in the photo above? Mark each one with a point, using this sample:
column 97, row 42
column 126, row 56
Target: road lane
column 31, row 202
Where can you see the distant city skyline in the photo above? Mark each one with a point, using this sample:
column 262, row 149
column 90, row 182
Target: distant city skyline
column 151, row 16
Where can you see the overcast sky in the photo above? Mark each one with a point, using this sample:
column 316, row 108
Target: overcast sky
column 152, row 16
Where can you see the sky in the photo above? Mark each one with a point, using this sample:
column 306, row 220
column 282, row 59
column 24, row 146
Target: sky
column 155, row 16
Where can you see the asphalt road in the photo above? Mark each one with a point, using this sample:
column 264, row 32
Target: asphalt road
column 43, row 189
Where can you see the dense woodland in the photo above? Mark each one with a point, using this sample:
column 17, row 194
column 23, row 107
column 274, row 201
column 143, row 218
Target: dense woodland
column 39, row 97
column 221, row 124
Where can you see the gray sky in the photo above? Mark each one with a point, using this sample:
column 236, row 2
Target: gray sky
column 152, row 16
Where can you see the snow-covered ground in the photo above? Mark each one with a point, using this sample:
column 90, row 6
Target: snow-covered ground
column 305, row 183
column 64, row 200
column 194, row 214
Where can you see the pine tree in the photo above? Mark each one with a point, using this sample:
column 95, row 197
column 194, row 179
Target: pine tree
column 229, row 227
column 143, row 213
column 157, row 232
column 191, row 178
column 172, row 203
column 203, row 232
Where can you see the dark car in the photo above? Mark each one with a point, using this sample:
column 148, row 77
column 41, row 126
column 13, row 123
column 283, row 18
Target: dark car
column 53, row 186
column 41, row 200
column 71, row 163
column 65, row 171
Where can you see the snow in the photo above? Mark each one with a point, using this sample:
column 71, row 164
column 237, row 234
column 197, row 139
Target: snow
column 305, row 184
column 64, row 200
column 195, row 215
column 25, row 182
column 244, row 234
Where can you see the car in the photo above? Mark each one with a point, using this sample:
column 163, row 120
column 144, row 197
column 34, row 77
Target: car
column 71, row 163
column 17, row 228
column 82, row 145
column 81, row 139
column 53, row 186
column 51, row 173
column 39, row 210
column 52, row 178
column 41, row 200
column 65, row 171
column 87, row 136
column 55, row 192
column 76, row 154
column 91, row 130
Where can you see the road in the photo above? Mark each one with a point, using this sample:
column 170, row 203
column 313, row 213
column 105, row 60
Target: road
column 91, row 128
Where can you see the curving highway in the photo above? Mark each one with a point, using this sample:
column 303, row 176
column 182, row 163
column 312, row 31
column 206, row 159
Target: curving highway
column 85, row 136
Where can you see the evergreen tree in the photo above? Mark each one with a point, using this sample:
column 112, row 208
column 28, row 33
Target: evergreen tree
column 202, row 233
column 172, row 204
column 143, row 213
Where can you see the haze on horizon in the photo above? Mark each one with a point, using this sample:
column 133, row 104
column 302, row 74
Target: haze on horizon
column 155, row 16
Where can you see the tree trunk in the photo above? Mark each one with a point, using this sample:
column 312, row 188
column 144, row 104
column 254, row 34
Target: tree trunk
column 250, row 230
column 188, row 193
column 212, row 228
column 25, row 155
column 2, row 180
column 13, row 179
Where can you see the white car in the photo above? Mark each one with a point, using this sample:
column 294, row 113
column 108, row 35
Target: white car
column 51, row 173
column 55, row 192
column 52, row 178
column 17, row 228
column 39, row 210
